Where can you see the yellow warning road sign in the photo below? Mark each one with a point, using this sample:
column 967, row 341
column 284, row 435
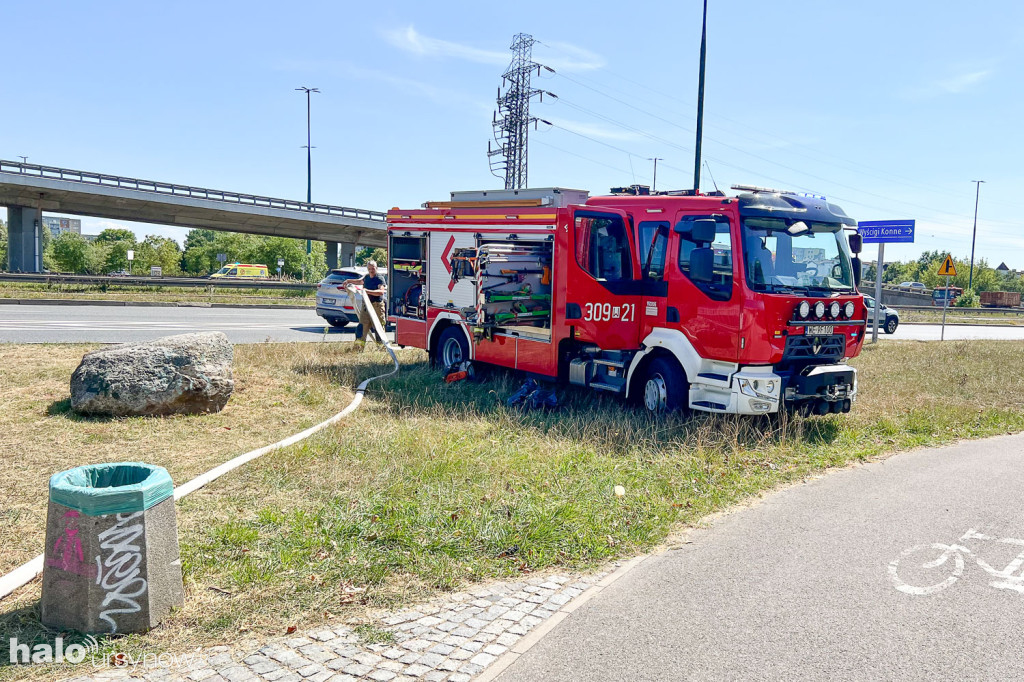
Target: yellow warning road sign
column 947, row 269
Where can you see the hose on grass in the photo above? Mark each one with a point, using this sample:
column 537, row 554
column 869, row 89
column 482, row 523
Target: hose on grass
column 31, row 569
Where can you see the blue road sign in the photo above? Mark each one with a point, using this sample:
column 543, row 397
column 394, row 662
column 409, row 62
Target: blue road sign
column 887, row 231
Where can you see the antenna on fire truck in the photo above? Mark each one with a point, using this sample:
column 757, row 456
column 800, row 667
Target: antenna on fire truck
column 512, row 118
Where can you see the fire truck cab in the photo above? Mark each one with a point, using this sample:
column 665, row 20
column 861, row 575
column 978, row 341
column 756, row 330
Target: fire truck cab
column 745, row 304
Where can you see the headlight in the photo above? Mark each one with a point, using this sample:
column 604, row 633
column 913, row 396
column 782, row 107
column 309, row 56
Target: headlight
column 833, row 310
column 803, row 310
column 819, row 310
column 849, row 309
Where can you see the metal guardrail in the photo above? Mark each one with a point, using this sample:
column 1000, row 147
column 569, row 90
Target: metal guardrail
column 170, row 189
column 956, row 310
column 50, row 278
column 867, row 285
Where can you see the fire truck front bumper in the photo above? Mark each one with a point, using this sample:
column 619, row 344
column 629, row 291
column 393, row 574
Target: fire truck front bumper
column 822, row 389
column 756, row 392
column 751, row 390
column 760, row 390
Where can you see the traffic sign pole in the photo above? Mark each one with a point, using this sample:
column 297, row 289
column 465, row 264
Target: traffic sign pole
column 879, row 267
column 947, row 270
column 945, row 304
column 881, row 232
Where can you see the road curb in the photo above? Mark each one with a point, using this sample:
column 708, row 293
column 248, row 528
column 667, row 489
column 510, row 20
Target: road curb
column 150, row 304
column 526, row 643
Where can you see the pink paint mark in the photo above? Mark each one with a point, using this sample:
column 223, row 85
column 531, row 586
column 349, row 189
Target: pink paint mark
column 67, row 551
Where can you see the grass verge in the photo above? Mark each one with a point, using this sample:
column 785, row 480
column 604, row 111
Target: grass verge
column 432, row 486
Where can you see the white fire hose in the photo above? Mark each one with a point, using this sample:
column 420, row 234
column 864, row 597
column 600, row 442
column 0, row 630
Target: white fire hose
column 29, row 570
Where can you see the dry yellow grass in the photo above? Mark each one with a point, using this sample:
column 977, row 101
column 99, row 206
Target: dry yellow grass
column 280, row 389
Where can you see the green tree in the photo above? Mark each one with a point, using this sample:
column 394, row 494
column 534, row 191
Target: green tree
column 292, row 251
column 115, row 255
column 314, row 263
column 115, row 234
column 70, row 252
column 159, row 251
column 367, row 253
column 197, row 237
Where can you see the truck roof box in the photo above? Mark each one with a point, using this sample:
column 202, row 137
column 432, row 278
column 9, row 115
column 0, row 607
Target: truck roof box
column 540, row 196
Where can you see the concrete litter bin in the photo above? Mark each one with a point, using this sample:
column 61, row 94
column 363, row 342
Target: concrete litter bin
column 111, row 563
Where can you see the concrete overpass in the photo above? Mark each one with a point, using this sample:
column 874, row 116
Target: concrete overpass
column 27, row 190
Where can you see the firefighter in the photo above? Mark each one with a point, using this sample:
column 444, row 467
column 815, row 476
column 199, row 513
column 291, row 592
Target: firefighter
column 376, row 287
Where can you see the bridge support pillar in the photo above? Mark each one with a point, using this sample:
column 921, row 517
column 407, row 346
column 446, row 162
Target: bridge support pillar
column 332, row 255
column 348, row 254
column 24, row 239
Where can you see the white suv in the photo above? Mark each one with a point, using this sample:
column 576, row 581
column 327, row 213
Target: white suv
column 332, row 300
column 888, row 318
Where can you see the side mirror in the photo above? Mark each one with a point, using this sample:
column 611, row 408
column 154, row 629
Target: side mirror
column 856, row 243
column 702, row 265
column 700, row 231
column 857, row 267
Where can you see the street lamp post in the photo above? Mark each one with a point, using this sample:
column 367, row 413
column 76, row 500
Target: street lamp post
column 700, row 100
column 974, row 232
column 309, row 155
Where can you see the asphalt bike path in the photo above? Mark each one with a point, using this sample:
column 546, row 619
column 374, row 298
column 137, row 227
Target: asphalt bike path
column 907, row 568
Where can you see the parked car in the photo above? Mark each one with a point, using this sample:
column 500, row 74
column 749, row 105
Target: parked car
column 888, row 317
column 917, row 286
column 332, row 300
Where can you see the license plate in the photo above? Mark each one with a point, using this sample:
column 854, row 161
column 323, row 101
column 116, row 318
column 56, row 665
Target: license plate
column 819, row 329
column 329, row 301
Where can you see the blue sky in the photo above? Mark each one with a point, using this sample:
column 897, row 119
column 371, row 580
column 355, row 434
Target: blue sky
column 889, row 109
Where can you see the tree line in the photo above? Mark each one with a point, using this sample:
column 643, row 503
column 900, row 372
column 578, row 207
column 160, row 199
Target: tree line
column 108, row 253
column 925, row 269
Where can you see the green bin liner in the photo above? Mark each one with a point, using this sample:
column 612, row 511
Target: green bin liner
column 121, row 488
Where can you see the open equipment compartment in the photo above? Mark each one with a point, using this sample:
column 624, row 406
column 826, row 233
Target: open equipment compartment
column 514, row 287
column 407, row 277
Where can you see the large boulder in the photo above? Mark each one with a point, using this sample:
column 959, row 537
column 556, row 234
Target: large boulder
column 183, row 374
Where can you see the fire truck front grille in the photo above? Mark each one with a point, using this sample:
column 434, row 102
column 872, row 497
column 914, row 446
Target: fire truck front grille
column 814, row 348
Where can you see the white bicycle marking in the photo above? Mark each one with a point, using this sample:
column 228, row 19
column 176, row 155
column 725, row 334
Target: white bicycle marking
column 1009, row 578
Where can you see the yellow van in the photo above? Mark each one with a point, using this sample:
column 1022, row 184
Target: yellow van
column 241, row 271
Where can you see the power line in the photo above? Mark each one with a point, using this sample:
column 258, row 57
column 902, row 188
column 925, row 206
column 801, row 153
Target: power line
column 817, row 155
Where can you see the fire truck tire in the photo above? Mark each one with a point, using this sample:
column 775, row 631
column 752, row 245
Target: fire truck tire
column 452, row 348
column 664, row 387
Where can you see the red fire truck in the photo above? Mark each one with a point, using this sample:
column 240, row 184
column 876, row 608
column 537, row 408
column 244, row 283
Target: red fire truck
column 745, row 304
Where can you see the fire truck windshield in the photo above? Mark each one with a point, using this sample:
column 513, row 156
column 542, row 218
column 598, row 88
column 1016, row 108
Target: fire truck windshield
column 790, row 256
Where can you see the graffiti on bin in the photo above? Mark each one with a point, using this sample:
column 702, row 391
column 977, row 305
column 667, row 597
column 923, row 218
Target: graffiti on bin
column 120, row 572
column 67, row 551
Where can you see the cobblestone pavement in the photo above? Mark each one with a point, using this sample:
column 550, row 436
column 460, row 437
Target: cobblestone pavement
column 454, row 638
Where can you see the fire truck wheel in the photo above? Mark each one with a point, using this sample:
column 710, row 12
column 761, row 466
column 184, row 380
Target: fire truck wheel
column 665, row 387
column 452, row 348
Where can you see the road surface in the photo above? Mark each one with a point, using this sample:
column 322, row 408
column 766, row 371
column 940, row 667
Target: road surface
column 803, row 584
column 932, row 332
column 120, row 324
